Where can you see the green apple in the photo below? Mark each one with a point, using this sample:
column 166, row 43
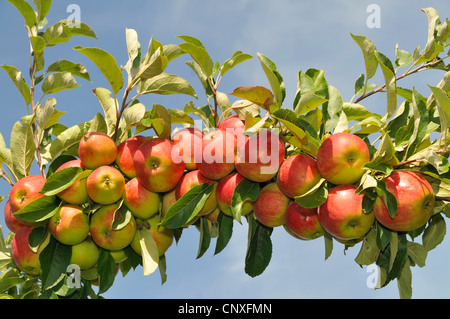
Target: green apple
column 85, row 254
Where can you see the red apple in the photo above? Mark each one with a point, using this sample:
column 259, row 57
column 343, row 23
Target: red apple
column 415, row 201
column 105, row 185
column 97, row 149
column 341, row 157
column 25, row 191
column 232, row 124
column 11, row 221
column 194, row 178
column 271, row 206
column 24, row 258
column 188, row 143
column 140, row 201
column 225, row 190
column 69, row 225
column 303, row 222
column 260, row 156
column 168, row 199
column 85, row 254
column 76, row 193
column 342, row 215
column 125, row 154
column 297, row 175
column 103, row 233
column 218, row 151
column 163, row 236
column 155, row 168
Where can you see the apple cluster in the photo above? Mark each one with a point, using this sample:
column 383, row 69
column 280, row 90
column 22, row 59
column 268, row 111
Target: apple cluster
column 147, row 175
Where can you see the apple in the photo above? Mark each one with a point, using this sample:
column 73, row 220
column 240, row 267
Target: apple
column 194, row 178
column 271, row 206
column 118, row 255
column 163, row 236
column 25, row 191
column 218, row 151
column 11, row 221
column 213, row 216
column 97, row 149
column 85, row 254
column 76, row 193
column 415, row 201
column 341, row 157
column 297, row 175
column 155, row 168
column 232, row 124
column 102, row 232
column 303, row 222
column 140, row 201
column 105, row 185
column 125, row 154
column 69, row 225
column 168, row 199
column 342, row 215
column 259, row 157
column 24, row 258
column 224, row 193
column 188, row 143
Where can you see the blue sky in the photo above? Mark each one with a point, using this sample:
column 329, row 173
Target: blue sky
column 296, row 35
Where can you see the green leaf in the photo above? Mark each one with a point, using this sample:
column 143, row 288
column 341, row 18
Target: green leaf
column 201, row 76
column 328, row 242
column 60, row 180
column 23, row 148
column 368, row 48
column 417, row 253
column 159, row 119
column 133, row 114
column 275, row 80
column 153, row 63
column 399, row 258
column 404, row 282
column 37, row 44
column 259, row 249
column 237, row 57
column 10, row 278
column 435, row 232
column 150, row 254
column 58, row 81
column 76, row 69
column 165, row 84
column 390, row 81
column 388, row 198
column 26, row 10
column 109, row 106
column 315, row 197
column 57, row 33
column 106, row 270
column 54, row 260
column 402, row 57
column 107, row 65
column 257, row 94
column 205, row 238
column 245, row 190
column 290, row 120
column 43, row 7
column 369, row 251
column 39, row 210
column 187, row 206
column 332, row 108
column 80, row 29
column 19, row 82
column 225, row 223
column 198, row 52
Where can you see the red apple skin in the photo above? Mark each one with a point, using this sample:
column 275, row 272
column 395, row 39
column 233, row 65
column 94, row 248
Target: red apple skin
column 192, row 179
column 297, row 175
column 168, row 199
column 97, row 149
column 104, row 235
column 11, row 221
column 303, row 222
column 105, row 185
column 341, row 157
column 188, row 142
column 342, row 215
column 76, row 193
column 259, row 157
column 24, row 258
column 69, row 225
column 140, row 201
column 218, row 152
column 125, row 154
column 271, row 206
column 224, row 192
column 155, row 168
column 232, row 124
column 25, row 191
column 415, row 201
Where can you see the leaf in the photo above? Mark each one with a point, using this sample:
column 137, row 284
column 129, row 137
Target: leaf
column 166, row 84
column 390, row 81
column 205, row 237
column 60, row 180
column 187, row 206
column 404, row 282
column 198, row 52
column 369, row 251
column 57, row 33
column 328, row 241
column 43, row 7
column 368, row 48
column 225, row 223
column 315, row 197
column 26, row 10
column 58, row 81
column 257, row 94
column 179, row 116
column 290, row 120
column 37, row 44
column 23, row 148
column 109, row 106
column 435, row 232
column 150, row 253
column 133, row 114
column 107, row 65
column 19, row 82
column 237, row 58
column 76, row 69
column 106, row 270
column 259, row 250
column 417, row 253
column 40, row 209
column 245, row 190
column 388, row 198
column 54, row 260
column 275, row 80
column 80, row 29
column 153, row 63
column 402, row 57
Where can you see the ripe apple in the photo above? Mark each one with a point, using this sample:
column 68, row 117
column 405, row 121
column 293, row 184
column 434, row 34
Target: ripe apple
column 303, row 222
column 168, row 199
column 297, row 175
column 415, row 201
column 341, row 157
column 188, row 143
column 102, row 232
column 271, row 206
column 76, row 193
column 85, row 254
column 260, row 156
column 140, row 201
column 213, row 215
column 69, row 225
column 105, row 185
column 163, row 236
column 225, row 190
column 232, row 124
column 97, row 149
column 155, row 168
column 11, row 221
column 25, row 191
column 125, row 154
column 194, row 178
column 218, row 151
column 24, row 258
column 342, row 215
